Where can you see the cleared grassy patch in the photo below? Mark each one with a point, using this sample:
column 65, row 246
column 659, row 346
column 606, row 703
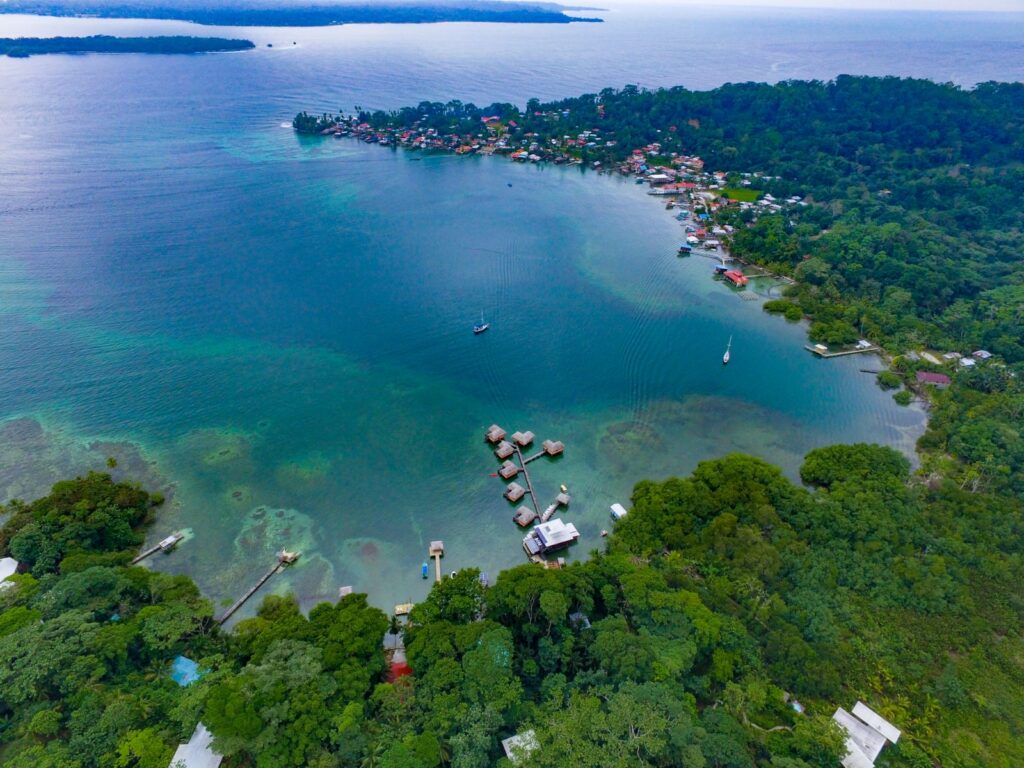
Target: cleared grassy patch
column 742, row 194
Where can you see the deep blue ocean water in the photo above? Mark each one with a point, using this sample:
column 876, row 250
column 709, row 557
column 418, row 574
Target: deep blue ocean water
column 278, row 329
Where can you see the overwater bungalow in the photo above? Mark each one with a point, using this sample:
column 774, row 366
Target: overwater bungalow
column 514, row 492
column 523, row 439
column 495, row 434
column 553, row 447
column 504, row 449
column 508, row 470
column 524, row 516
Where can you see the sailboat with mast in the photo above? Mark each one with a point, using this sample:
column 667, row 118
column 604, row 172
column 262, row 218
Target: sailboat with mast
column 727, row 355
column 481, row 326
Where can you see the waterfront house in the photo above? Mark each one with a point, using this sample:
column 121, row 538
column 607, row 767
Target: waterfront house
column 736, row 278
column 618, row 511
column 968, row 362
column 550, row 536
column 938, row 380
column 981, row 354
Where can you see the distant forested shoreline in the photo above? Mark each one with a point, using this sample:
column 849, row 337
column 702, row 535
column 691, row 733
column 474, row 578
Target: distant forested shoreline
column 227, row 15
column 23, row 47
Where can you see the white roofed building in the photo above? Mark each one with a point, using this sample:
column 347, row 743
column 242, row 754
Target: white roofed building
column 8, row 567
column 867, row 733
column 197, row 753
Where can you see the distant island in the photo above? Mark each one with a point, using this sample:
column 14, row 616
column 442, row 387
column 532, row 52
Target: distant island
column 224, row 13
column 23, row 47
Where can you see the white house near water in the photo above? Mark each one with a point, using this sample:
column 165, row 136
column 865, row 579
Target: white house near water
column 867, row 732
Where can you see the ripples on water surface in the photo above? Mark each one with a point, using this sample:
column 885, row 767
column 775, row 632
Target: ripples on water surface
column 281, row 327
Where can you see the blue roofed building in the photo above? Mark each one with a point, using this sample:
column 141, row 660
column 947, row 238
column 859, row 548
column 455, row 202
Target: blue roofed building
column 184, row 671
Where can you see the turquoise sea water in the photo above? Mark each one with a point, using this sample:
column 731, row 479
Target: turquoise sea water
column 278, row 330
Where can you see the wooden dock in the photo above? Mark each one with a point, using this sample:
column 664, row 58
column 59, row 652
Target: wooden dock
column 284, row 559
column 165, row 545
column 436, row 551
column 529, row 483
column 842, row 353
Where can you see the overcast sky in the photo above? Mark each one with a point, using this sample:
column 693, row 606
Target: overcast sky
column 945, row 5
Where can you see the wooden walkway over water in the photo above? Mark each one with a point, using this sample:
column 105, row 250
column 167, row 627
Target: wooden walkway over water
column 841, row 353
column 526, row 474
column 284, row 559
column 165, row 544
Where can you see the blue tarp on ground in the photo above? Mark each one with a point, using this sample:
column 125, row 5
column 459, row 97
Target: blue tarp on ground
column 184, row 671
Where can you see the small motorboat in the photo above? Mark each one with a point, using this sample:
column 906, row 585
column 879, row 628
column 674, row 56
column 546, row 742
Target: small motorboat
column 425, row 570
column 481, row 326
column 727, row 355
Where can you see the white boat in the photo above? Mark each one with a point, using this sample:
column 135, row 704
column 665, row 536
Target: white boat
column 726, row 356
column 481, row 326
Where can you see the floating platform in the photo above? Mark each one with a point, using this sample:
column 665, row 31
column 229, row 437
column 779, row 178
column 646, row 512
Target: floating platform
column 495, row 434
column 504, row 449
column 508, row 470
column 563, row 499
column 522, row 439
column 514, row 492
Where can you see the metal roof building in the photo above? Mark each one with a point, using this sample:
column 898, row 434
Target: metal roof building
column 867, row 733
column 197, row 753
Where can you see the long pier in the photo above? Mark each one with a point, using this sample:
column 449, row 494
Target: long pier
column 165, row 544
column 526, row 474
column 143, row 555
column 842, row 353
column 284, row 559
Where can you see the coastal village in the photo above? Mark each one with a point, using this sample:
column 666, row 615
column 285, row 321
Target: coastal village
column 709, row 204
column 695, row 195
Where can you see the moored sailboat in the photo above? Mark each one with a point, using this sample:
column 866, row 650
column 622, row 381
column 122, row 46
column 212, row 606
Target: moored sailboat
column 481, row 326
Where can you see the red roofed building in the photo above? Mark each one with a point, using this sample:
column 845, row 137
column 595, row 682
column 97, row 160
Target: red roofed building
column 939, row 380
column 736, row 278
column 398, row 669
